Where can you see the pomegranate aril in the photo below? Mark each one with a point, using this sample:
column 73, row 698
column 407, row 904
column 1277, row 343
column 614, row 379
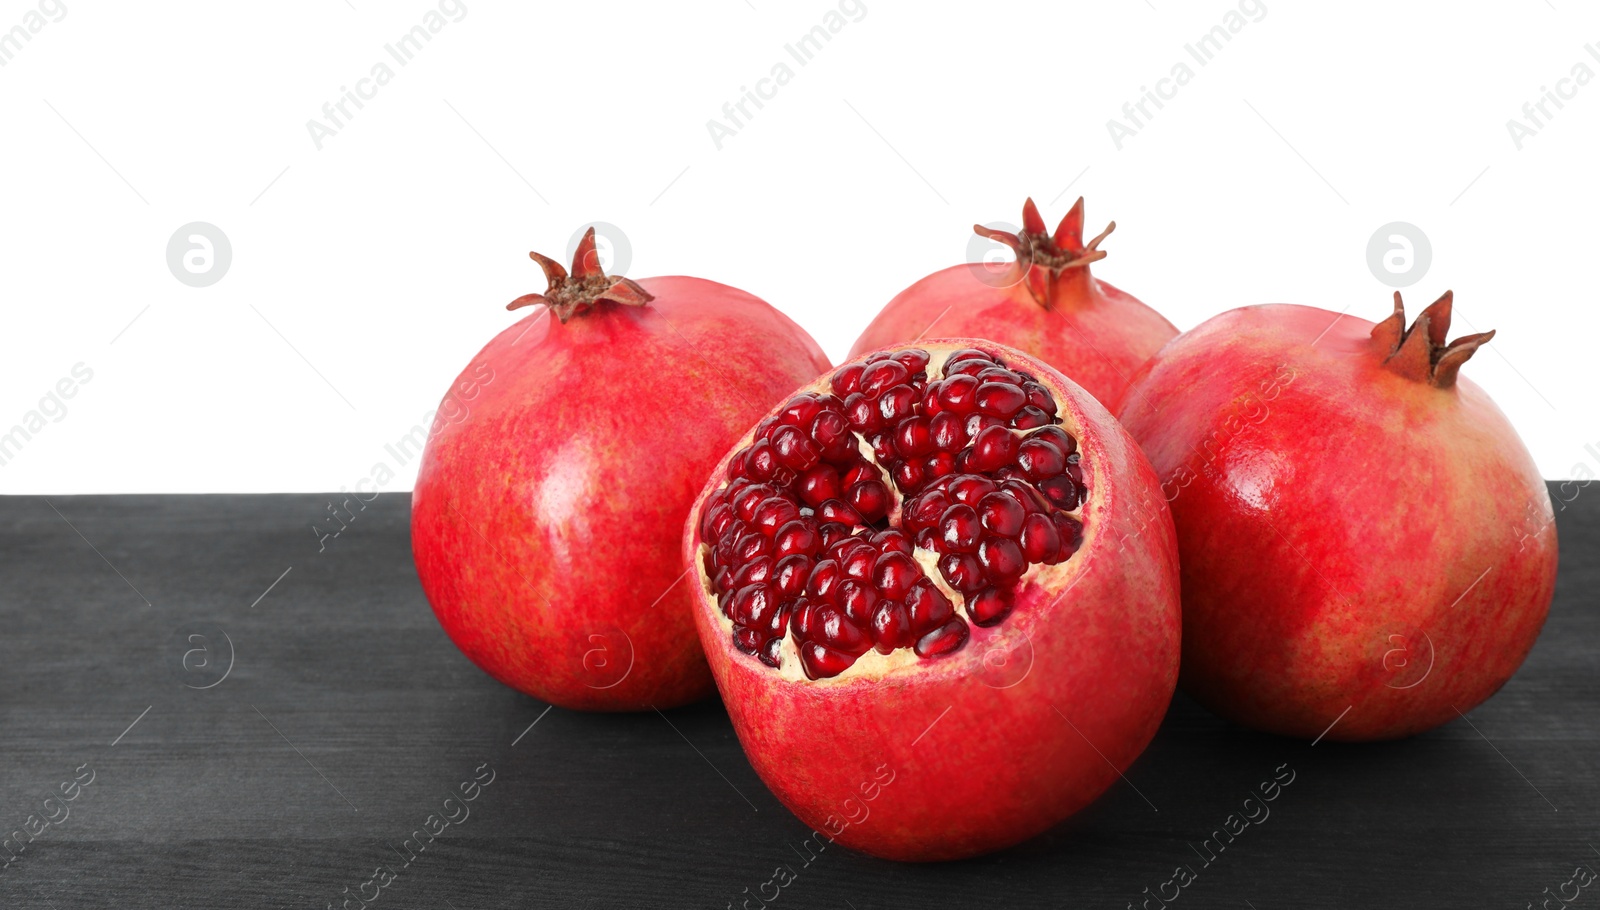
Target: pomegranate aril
column 970, row 488
column 940, row 464
column 908, row 476
column 958, row 394
column 962, row 571
column 871, row 499
column 891, row 540
column 819, row 484
column 716, row 520
column 1032, row 500
column 858, row 600
column 946, row 431
column 748, row 601
column 999, row 374
column 862, row 413
column 1058, row 437
column 969, row 354
column 894, row 574
column 821, row 662
column 841, row 512
column 796, row 537
column 990, row 605
column 750, row 546
column 1001, row 514
column 915, row 360
column 913, row 437
column 748, row 640
column 897, row 403
column 928, row 539
column 832, row 531
column 977, row 423
column 1030, row 418
column 927, row 606
column 1071, row 531
column 790, row 574
column 858, row 564
column 756, row 571
column 926, row 509
column 1039, row 397
column 1061, row 491
column 993, row 448
column 848, row 379
column 771, row 652
column 832, row 628
column 829, row 428
column 882, row 376
column 1000, row 399
column 882, row 446
column 801, row 410
column 773, row 513
column 943, row 640
column 794, row 449
column 823, row 585
column 960, row 529
column 1040, row 541
column 860, row 471
column 1039, row 459
column 724, row 581
column 1001, row 559
column 891, row 627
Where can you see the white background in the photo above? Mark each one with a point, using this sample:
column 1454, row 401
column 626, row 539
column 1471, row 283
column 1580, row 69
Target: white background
column 382, row 262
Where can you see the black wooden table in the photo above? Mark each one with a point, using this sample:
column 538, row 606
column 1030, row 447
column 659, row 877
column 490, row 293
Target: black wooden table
column 200, row 709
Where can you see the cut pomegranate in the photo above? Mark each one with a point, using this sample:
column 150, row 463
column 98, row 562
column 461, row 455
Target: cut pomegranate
column 864, row 454
column 964, row 549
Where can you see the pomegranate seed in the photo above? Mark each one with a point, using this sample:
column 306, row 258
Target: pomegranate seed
column 926, row 509
column 1039, row 459
column 930, row 399
column 1039, row 397
column 765, row 427
column 858, row 600
column 1030, row 418
column 943, row 640
column 927, row 605
column 801, row 410
column 990, row 605
column 870, row 498
column 908, row 475
column 946, row 432
column 832, row 531
column 882, row 446
column 1001, row 514
column 796, row 537
column 716, row 521
column 1040, row 541
column 928, row 539
column 969, row 354
column 747, row 640
column 773, row 513
column 882, row 376
column 969, row 488
column 803, row 619
column 1058, row 437
column 891, row 626
column 747, row 600
column 756, row 571
column 1071, row 531
column 1061, row 491
column 765, row 612
column 793, row 449
column 960, row 529
column 834, row 510
column 962, row 571
column 770, row 653
column 821, row 662
column 894, row 573
column 913, row 438
column 958, row 394
column 750, row 546
column 862, row 412
column 1002, row 559
column 938, row 465
column 790, row 575
column 723, row 582
column 837, row 632
column 1000, row 399
column 830, row 428
column 915, row 360
column 823, row 586
column 819, row 484
column 848, row 379
column 1032, row 500
column 858, row 564
column 859, row 471
column 897, row 403
column 891, row 540
column 993, row 447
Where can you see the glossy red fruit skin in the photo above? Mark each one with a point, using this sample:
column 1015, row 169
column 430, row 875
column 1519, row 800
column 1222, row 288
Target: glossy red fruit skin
column 1094, row 333
column 1336, row 521
column 990, row 745
column 545, row 524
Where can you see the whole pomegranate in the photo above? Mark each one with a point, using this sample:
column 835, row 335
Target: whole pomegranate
column 939, row 592
column 545, row 524
column 1367, row 547
column 1045, row 304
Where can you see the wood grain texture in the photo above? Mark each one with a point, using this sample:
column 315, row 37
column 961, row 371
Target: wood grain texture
column 348, row 718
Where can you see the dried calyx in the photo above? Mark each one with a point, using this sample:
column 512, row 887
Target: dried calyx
column 586, row 286
column 1044, row 257
column 1420, row 352
column 887, row 515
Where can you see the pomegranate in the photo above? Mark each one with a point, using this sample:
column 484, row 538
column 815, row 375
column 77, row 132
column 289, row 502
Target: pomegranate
column 545, row 523
column 1045, row 303
column 938, row 589
column 1367, row 547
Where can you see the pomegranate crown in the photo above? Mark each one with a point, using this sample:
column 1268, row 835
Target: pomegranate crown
column 1420, row 352
column 587, row 285
column 1045, row 257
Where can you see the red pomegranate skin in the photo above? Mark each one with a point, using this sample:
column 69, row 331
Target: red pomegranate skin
column 1029, row 722
column 1093, row 332
column 1351, row 538
column 546, row 525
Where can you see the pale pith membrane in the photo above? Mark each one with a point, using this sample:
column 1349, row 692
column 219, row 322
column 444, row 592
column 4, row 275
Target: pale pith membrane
column 889, row 514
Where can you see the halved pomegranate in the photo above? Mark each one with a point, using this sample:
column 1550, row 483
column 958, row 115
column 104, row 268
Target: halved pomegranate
column 947, row 566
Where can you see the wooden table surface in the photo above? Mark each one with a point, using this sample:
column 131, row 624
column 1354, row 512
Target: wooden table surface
column 282, row 757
